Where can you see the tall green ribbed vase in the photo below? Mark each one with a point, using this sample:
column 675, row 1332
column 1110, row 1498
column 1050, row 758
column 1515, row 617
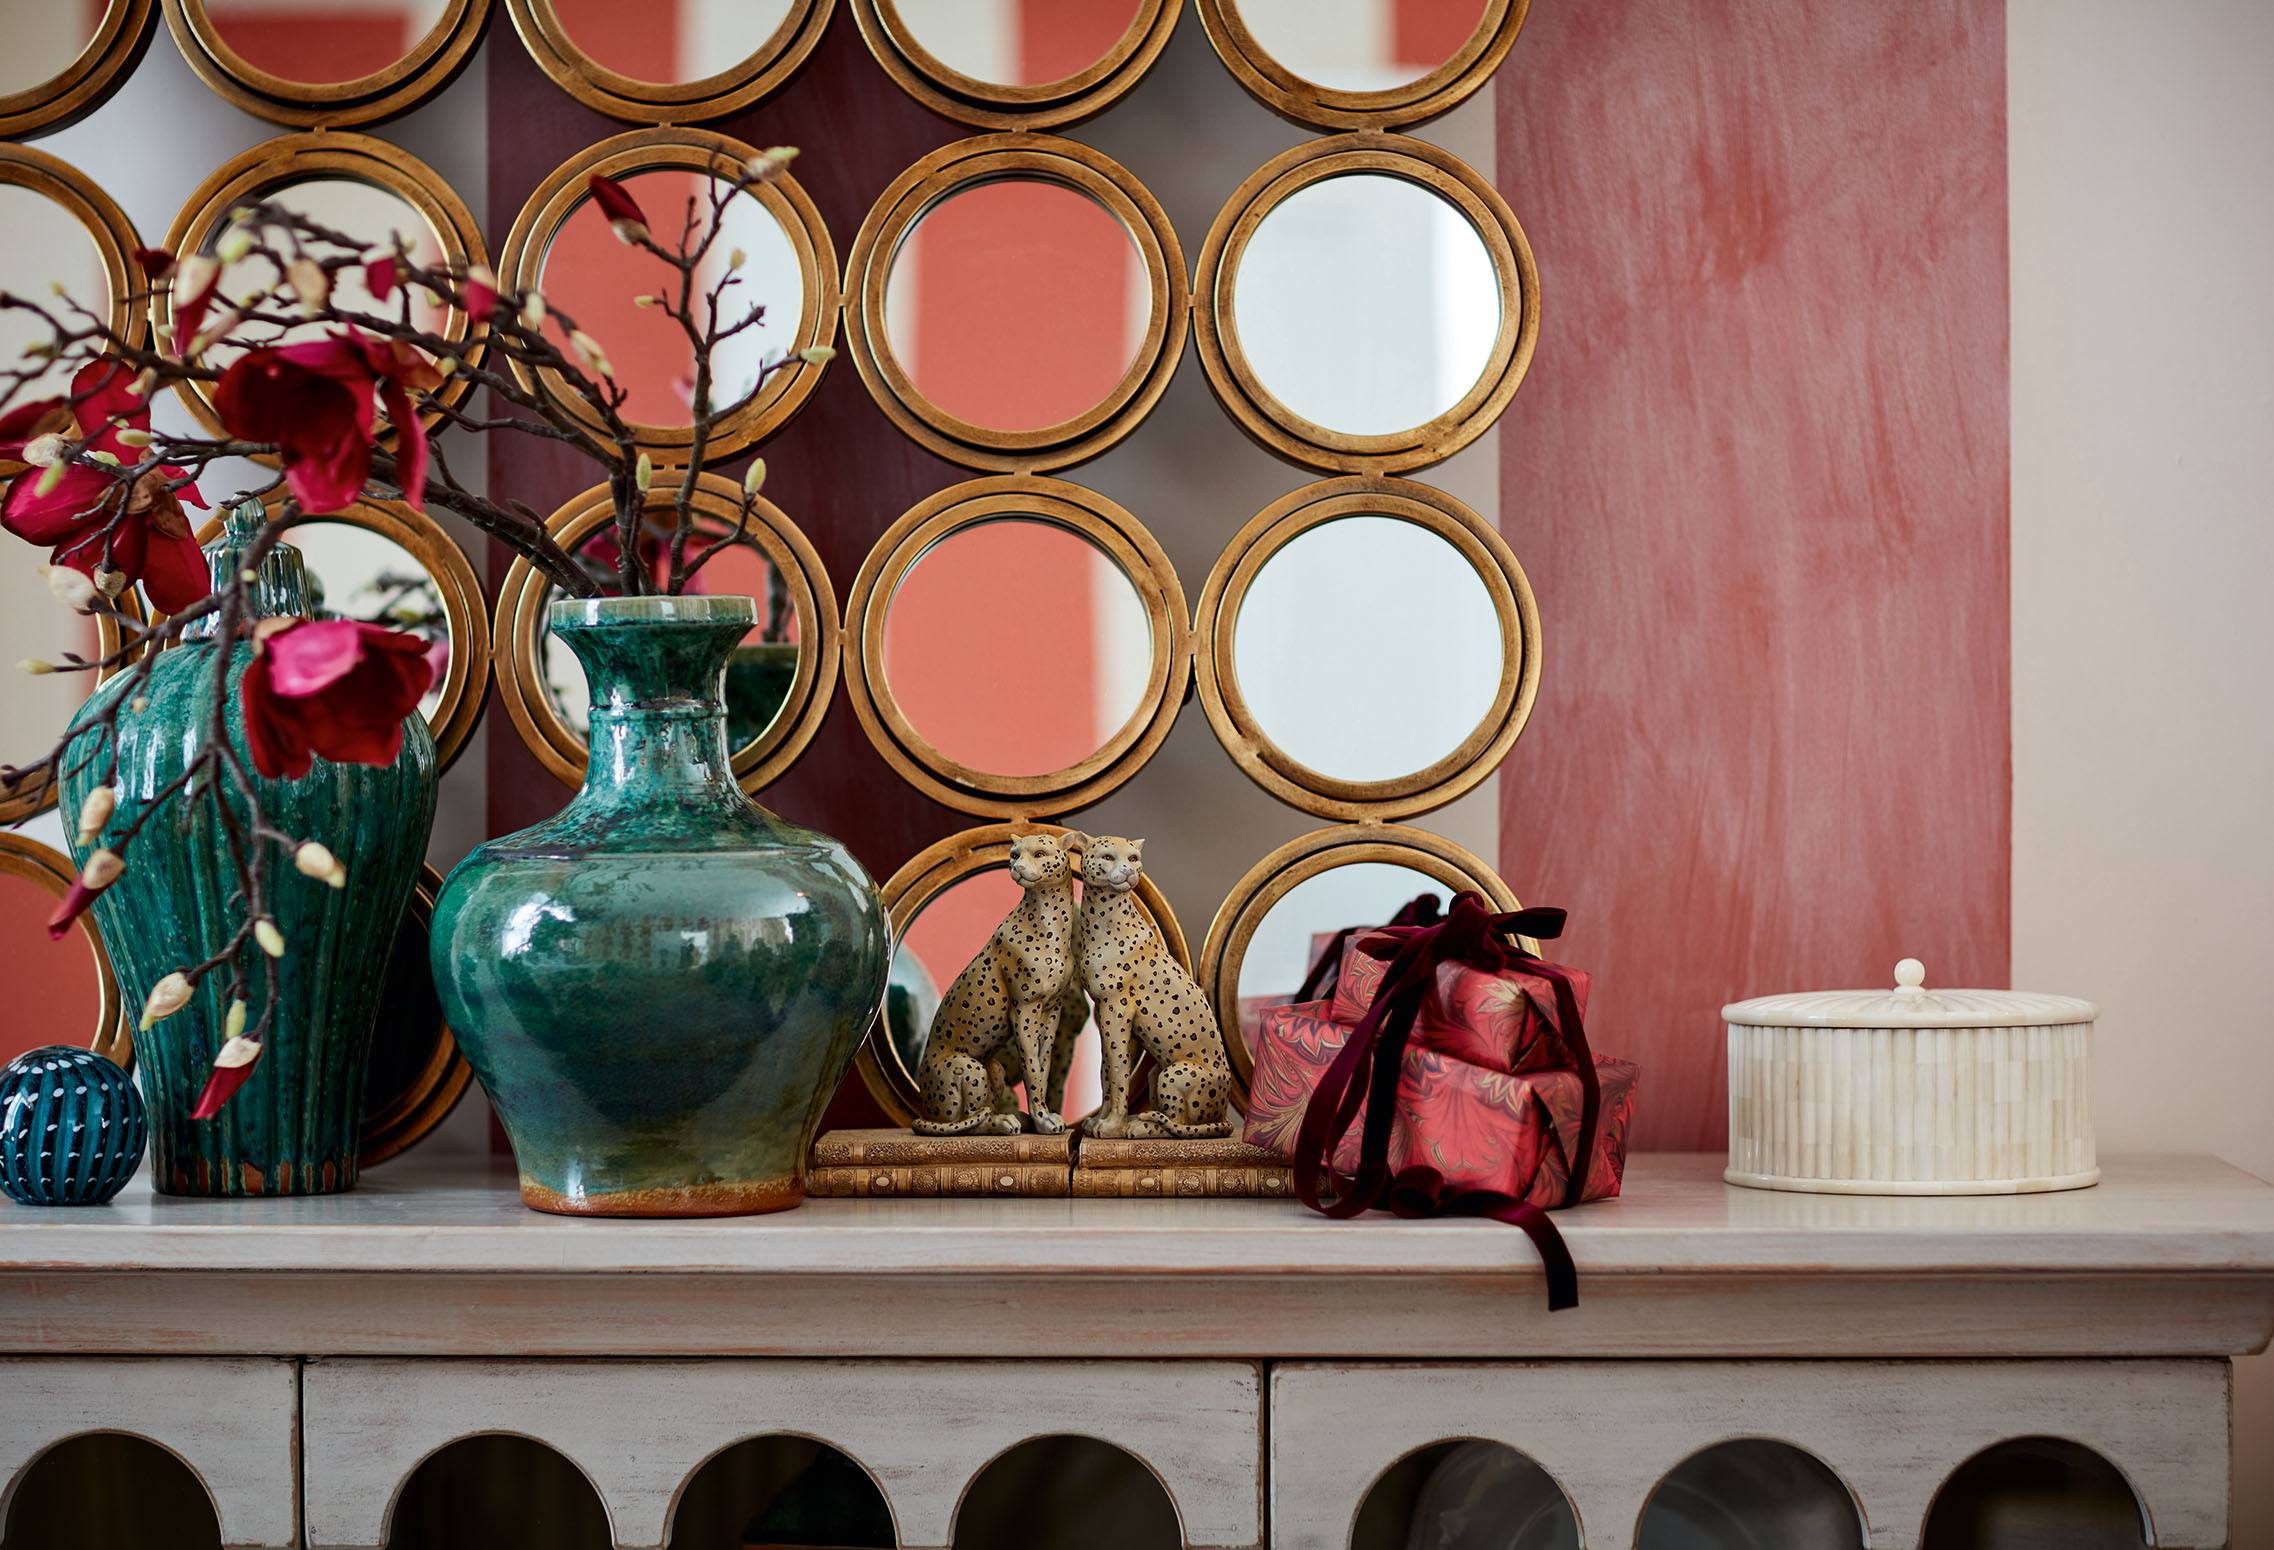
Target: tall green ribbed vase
column 291, row 1129
column 660, row 987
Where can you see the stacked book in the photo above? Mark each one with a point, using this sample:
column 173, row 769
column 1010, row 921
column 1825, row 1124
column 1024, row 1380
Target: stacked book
column 898, row 1163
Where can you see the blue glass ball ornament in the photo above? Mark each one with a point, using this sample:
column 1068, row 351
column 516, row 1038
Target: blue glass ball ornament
column 71, row 1127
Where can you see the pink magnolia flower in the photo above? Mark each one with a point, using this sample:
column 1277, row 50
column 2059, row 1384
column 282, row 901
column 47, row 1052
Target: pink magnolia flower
column 333, row 689
column 315, row 402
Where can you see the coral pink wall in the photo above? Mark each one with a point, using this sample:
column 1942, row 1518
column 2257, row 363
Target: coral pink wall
column 1758, row 478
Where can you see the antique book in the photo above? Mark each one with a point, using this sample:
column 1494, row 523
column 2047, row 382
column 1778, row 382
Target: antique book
column 1045, row 1180
column 1226, row 1169
column 902, row 1148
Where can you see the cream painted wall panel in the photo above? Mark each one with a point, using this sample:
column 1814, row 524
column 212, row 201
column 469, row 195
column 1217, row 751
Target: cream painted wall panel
column 2142, row 161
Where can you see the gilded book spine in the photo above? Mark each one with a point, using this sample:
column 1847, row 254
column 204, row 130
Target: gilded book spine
column 1186, row 1182
column 915, row 1180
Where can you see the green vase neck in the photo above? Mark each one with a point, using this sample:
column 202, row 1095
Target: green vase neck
column 280, row 587
column 654, row 668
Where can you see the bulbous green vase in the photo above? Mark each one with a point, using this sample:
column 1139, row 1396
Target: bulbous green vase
column 661, row 986
column 292, row 1128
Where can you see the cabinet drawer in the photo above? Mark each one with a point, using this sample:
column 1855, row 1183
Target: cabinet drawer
column 926, row 1434
column 123, row 1449
column 1817, row 1453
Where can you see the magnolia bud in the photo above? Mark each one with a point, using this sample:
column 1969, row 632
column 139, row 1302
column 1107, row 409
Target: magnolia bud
column 130, row 436
column 736, row 259
column 238, row 1051
column 754, row 478
column 146, row 382
column 446, row 365
column 103, row 456
column 645, row 301
column 233, row 1024
column 94, row 812
column 70, row 587
column 45, row 451
column 316, row 860
column 103, row 868
column 167, row 997
column 235, row 243
column 271, row 939
column 139, row 704
column 643, row 472
column 310, row 283
column 35, row 667
column 589, row 353
column 533, row 312
column 817, row 355
column 109, row 581
column 248, row 577
column 770, row 163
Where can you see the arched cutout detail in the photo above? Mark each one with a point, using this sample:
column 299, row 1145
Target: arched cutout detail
column 833, row 1534
column 133, row 1515
column 1771, row 1475
column 1525, row 1509
column 1064, row 1513
column 399, row 1533
column 2086, row 1490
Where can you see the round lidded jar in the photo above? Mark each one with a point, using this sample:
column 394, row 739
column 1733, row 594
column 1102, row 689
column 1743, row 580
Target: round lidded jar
column 1911, row 1091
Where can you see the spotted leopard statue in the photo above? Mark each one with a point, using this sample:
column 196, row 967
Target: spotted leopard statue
column 1144, row 1000
column 1005, row 1010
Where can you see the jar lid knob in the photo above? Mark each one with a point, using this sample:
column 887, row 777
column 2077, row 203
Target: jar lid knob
column 1910, row 977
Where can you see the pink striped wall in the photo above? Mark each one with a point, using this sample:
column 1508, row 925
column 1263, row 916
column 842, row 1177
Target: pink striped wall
column 1758, row 477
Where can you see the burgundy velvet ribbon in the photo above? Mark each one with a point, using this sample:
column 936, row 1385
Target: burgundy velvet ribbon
column 1420, row 910
column 1366, row 1070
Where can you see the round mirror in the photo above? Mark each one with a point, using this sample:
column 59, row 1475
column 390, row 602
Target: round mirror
column 1363, row 45
column 288, row 42
column 59, row 992
column 1017, row 647
column 1298, row 944
column 596, row 279
column 47, row 245
column 417, row 1073
column 689, row 62
column 1003, row 64
column 1018, row 45
column 690, row 42
column 1411, row 285
column 62, row 61
column 46, row 40
column 36, row 709
column 1017, row 304
column 1418, row 647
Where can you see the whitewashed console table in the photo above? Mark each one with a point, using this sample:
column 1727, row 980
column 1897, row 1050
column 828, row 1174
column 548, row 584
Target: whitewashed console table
column 303, row 1357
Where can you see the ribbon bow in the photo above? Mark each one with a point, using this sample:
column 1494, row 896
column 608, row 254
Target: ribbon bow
column 1366, row 1070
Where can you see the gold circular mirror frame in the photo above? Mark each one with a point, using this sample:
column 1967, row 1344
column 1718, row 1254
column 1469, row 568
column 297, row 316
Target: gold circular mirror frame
column 413, row 1114
column 36, row 791
column 88, row 81
column 989, row 158
column 1215, row 635
column 1315, row 106
column 49, row 869
column 930, row 873
column 765, row 71
column 106, row 225
column 431, row 64
column 522, row 264
column 1278, row 428
column 258, row 174
column 1088, row 515
column 464, row 690
column 518, row 635
column 1296, row 862
column 967, row 99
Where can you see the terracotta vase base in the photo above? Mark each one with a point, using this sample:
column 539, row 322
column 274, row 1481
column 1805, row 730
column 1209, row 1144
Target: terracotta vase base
column 746, row 1199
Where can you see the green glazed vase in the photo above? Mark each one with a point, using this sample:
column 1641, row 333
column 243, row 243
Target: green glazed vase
column 661, row 986
column 292, row 1128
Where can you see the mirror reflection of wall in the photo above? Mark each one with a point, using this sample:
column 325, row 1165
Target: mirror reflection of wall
column 1362, row 45
column 53, row 989
column 1017, row 647
column 1018, row 42
column 322, row 41
column 44, row 41
column 1373, row 682
column 354, row 208
column 1288, row 939
column 46, row 245
column 1366, row 267
column 594, row 278
column 1017, row 303
column 675, row 42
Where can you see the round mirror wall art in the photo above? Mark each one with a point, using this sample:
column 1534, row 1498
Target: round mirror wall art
column 62, row 229
column 64, row 61
column 417, row 1072
column 998, row 66
column 58, row 991
column 945, row 904
column 1367, row 648
column 561, row 243
column 1016, row 302
column 1361, row 64
column 779, row 681
column 382, row 563
column 1283, row 916
column 312, row 69
column 612, row 56
column 350, row 181
column 1422, row 268
column 1017, row 646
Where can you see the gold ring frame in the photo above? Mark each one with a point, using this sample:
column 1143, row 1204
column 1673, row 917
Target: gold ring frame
column 928, row 875
column 432, row 64
column 716, row 96
column 1277, row 427
column 259, row 173
column 38, row 790
column 106, row 225
column 518, row 637
column 522, row 263
column 24, row 857
column 1296, row 862
column 984, row 104
column 1325, row 107
column 411, row 1115
column 1089, row 516
column 1215, row 637
column 990, row 158
column 87, row 82
column 465, row 686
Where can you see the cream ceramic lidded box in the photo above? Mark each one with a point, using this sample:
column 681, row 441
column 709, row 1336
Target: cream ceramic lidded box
column 1911, row 1091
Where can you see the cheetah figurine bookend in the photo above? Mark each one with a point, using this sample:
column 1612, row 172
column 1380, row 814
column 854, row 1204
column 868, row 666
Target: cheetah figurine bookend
column 1143, row 999
column 1012, row 997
